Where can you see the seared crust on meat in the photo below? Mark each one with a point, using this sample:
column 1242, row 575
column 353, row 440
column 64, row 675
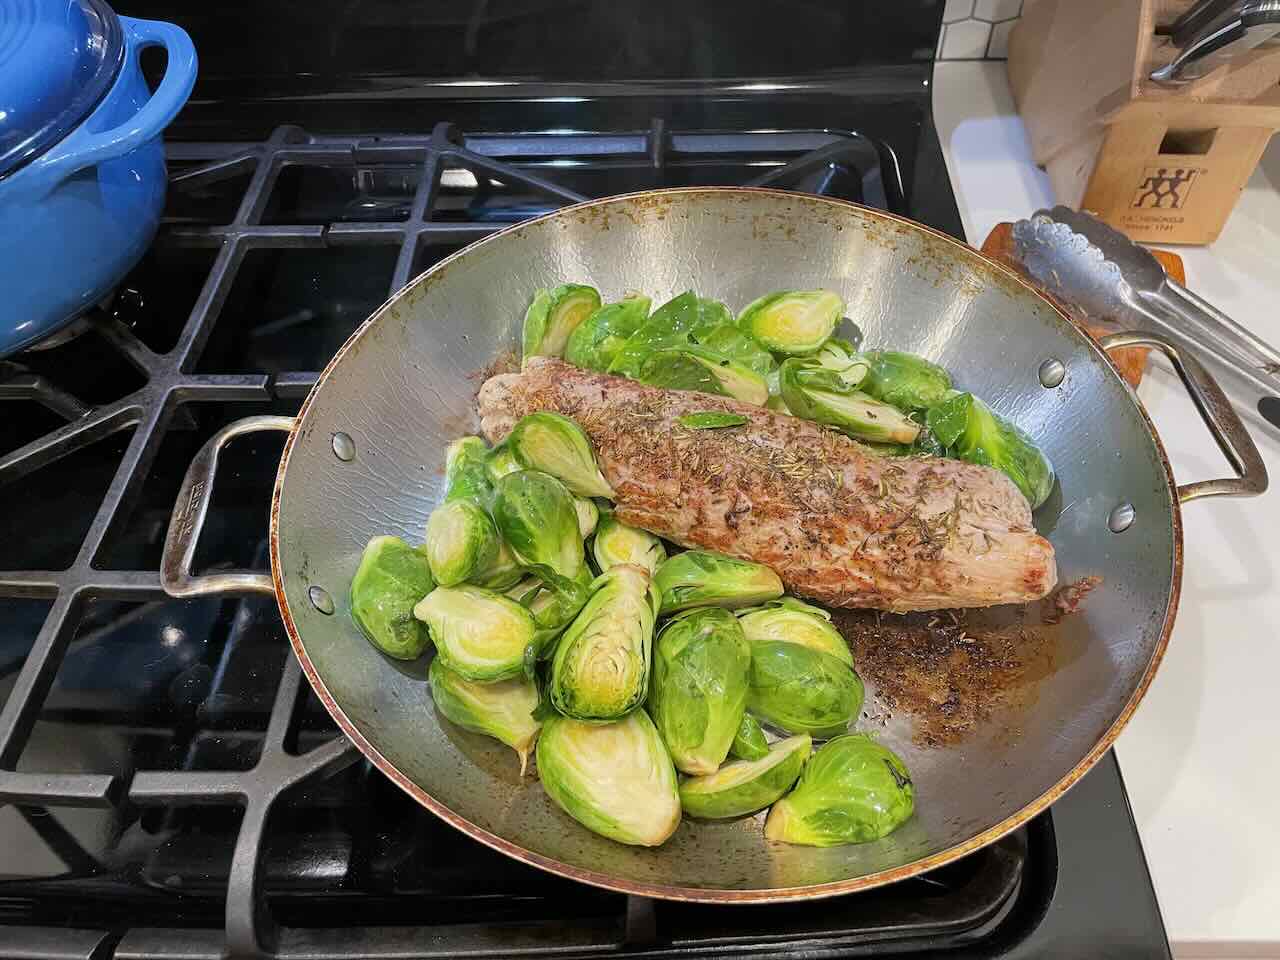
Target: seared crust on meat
column 838, row 522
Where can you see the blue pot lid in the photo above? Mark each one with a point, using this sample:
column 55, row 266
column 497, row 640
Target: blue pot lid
column 58, row 58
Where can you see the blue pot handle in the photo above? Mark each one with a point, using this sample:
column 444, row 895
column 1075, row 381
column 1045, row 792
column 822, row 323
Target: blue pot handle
column 81, row 148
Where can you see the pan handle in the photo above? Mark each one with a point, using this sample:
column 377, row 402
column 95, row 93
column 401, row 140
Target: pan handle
column 188, row 520
column 1216, row 411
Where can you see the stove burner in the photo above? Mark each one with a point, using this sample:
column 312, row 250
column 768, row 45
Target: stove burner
column 134, row 727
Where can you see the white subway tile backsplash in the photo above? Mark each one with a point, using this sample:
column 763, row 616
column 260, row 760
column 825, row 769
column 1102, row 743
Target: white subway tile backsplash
column 997, row 10
column 977, row 29
column 966, row 40
column 998, row 48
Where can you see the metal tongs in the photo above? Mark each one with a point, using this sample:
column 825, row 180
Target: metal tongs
column 1085, row 262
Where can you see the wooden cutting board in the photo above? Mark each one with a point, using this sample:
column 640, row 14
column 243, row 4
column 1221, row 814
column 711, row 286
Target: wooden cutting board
column 1131, row 361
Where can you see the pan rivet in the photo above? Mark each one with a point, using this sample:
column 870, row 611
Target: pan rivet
column 1121, row 518
column 1051, row 372
column 321, row 600
column 344, row 448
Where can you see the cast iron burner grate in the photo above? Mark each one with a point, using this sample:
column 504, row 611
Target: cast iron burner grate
column 134, row 727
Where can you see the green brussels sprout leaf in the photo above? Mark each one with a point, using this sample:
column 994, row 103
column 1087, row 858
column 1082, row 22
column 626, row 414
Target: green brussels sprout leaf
column 466, row 471
column 479, row 634
column 668, row 327
column 905, row 380
column 778, row 405
column 598, row 339
column 727, row 340
column 698, row 578
column 391, row 578
column 501, row 461
column 616, row 779
column 745, row 786
column 700, row 664
column 711, row 420
column 524, row 589
column 553, row 316
column 749, row 742
column 554, row 604
column 502, row 710
column 839, row 357
column 694, row 368
column 588, row 516
column 852, row 790
column 713, row 315
column 927, row 444
column 973, row 432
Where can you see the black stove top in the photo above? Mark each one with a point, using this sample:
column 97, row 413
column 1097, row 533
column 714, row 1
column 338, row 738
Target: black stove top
column 172, row 787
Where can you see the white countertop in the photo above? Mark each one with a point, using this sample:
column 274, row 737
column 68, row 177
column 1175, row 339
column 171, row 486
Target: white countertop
column 1201, row 757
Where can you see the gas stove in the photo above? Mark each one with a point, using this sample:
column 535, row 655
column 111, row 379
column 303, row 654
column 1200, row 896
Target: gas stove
column 169, row 785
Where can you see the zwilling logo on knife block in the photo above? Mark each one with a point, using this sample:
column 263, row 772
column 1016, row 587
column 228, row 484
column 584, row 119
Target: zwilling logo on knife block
column 1165, row 188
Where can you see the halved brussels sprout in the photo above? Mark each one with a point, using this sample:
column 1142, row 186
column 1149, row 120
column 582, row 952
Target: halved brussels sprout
column 588, row 515
column 461, row 541
column 702, row 578
column 816, row 393
column 745, row 786
column 802, row 690
column 615, row 779
column 466, row 471
column 905, row 380
column 693, row 368
column 503, row 572
column 479, row 634
column 502, row 710
column 793, row 321
column 599, row 338
column 556, row 445
column 793, row 621
column 700, row 664
column 840, row 357
column 616, row 543
column 391, row 578
column 749, row 742
column 975, row 433
column 554, row 315
column 851, row 791
column 600, row 670
column 536, row 515
column 501, row 462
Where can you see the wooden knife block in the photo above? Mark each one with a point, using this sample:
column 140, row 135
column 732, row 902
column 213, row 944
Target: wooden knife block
column 1163, row 164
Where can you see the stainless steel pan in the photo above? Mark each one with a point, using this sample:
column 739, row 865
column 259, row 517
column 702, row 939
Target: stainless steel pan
column 365, row 457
